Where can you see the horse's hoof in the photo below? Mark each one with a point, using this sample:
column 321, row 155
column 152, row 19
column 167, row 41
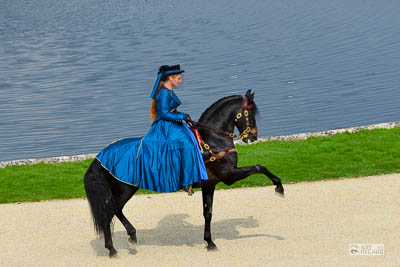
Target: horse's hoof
column 280, row 191
column 133, row 241
column 212, row 247
column 113, row 253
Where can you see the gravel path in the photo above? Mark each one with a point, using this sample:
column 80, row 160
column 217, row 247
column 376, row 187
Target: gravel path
column 312, row 226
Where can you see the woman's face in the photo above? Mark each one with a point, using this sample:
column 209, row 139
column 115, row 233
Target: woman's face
column 175, row 79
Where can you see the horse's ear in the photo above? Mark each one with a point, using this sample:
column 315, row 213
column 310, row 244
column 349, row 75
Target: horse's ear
column 248, row 93
column 251, row 99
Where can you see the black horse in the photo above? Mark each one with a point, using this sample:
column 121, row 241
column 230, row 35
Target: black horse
column 107, row 196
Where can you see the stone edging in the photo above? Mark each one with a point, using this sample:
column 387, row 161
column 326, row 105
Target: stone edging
column 292, row 137
column 46, row 160
column 303, row 136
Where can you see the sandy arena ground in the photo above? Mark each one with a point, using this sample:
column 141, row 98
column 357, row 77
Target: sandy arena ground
column 312, row 226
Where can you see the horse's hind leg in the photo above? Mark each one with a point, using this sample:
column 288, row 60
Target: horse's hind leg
column 128, row 226
column 122, row 193
column 208, row 196
column 108, row 241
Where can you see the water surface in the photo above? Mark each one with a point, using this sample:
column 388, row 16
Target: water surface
column 76, row 75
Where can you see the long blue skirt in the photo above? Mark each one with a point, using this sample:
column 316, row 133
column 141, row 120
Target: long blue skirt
column 164, row 160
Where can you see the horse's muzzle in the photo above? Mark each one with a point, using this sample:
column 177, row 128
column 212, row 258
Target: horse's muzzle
column 253, row 135
column 251, row 138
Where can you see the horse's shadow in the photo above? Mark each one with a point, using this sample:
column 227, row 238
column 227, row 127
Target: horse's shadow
column 173, row 230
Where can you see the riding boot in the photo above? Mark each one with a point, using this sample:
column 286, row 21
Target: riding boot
column 188, row 189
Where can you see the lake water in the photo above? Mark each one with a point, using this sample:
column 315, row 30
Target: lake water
column 76, row 75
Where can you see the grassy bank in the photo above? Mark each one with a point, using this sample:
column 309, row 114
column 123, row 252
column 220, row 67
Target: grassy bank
column 344, row 155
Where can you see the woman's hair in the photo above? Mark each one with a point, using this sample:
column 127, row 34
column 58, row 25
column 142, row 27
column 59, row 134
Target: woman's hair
column 153, row 109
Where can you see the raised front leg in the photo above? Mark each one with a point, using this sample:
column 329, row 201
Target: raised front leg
column 275, row 179
column 123, row 193
column 208, row 195
column 230, row 176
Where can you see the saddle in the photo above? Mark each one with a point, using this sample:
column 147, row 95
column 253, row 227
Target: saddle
column 198, row 138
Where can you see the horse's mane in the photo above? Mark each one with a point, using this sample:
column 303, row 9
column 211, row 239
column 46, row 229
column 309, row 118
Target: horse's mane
column 223, row 102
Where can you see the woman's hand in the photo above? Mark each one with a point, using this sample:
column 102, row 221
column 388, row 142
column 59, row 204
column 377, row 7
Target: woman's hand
column 186, row 117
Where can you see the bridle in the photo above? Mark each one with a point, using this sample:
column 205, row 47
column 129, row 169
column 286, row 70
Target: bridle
column 244, row 113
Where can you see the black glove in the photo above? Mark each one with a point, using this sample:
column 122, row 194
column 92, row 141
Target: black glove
column 186, row 117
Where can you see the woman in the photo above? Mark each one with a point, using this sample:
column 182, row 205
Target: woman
column 167, row 158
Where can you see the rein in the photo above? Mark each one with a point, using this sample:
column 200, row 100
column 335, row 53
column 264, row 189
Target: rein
column 194, row 123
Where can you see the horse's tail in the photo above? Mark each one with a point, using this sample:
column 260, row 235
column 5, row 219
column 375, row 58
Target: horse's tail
column 100, row 197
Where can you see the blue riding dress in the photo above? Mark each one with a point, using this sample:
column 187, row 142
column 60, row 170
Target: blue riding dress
column 165, row 159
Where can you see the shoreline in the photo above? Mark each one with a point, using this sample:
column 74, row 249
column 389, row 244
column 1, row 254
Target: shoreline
column 292, row 137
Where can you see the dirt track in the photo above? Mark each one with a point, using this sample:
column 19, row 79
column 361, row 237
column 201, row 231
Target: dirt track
column 312, row 226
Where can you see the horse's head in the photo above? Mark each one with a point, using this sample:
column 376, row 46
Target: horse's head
column 245, row 119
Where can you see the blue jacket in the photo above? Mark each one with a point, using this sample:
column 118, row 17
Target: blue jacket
column 166, row 102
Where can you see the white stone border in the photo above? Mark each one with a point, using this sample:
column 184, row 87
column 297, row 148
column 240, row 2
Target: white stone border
column 303, row 136
column 46, row 160
column 292, row 137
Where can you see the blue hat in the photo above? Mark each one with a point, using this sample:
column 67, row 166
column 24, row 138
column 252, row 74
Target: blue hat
column 163, row 72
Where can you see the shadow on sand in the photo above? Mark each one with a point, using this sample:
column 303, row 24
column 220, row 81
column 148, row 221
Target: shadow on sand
column 173, row 230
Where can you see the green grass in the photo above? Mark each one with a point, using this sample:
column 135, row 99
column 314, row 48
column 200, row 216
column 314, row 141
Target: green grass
column 363, row 153
column 344, row 155
column 42, row 182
